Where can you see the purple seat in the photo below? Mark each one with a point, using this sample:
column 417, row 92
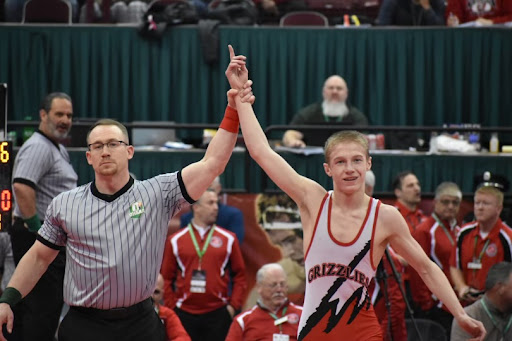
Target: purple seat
column 304, row 18
column 47, row 11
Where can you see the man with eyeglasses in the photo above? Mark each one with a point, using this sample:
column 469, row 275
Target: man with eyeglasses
column 273, row 317
column 437, row 235
column 114, row 231
column 42, row 170
column 480, row 244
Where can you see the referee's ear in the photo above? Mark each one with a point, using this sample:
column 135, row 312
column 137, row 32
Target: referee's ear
column 130, row 151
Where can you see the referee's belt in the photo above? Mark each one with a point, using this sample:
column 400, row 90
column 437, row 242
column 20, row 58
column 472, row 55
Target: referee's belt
column 116, row 313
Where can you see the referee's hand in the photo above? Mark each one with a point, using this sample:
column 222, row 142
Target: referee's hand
column 7, row 318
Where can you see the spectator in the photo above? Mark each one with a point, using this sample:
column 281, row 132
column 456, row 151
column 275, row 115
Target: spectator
column 483, row 12
column 41, row 172
column 173, row 327
column 480, row 244
column 199, row 263
column 494, row 309
column 437, row 235
column 411, row 13
column 229, row 217
column 273, row 317
column 272, row 10
column 128, row 11
column 407, row 189
column 334, row 110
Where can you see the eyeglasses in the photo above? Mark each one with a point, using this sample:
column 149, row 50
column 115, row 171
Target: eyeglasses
column 447, row 202
column 111, row 145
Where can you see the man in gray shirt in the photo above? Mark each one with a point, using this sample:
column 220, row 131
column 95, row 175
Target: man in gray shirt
column 42, row 170
column 494, row 309
column 333, row 110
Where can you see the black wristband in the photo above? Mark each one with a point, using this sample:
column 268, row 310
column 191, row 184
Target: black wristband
column 11, row 296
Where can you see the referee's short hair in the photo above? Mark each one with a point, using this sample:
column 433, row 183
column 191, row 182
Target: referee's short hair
column 109, row 122
column 46, row 102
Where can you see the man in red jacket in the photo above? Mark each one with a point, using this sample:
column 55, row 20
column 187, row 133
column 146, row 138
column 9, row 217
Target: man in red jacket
column 437, row 235
column 273, row 317
column 199, row 263
column 173, row 327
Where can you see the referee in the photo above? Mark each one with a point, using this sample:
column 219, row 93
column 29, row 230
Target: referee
column 114, row 230
column 42, row 170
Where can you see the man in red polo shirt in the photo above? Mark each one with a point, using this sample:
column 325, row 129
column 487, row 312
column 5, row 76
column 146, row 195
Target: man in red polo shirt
column 437, row 235
column 480, row 244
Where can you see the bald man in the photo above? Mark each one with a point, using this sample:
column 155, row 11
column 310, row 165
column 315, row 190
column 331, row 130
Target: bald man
column 333, row 110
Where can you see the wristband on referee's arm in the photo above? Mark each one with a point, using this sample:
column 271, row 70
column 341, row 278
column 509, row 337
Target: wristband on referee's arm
column 11, row 296
column 33, row 223
column 230, row 121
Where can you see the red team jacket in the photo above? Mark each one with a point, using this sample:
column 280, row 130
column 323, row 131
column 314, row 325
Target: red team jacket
column 222, row 261
column 438, row 246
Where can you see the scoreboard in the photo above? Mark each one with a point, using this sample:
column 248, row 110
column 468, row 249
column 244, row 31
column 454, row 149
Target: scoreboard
column 6, row 163
column 6, row 200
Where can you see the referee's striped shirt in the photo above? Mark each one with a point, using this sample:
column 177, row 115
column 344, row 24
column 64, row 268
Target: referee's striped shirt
column 114, row 243
column 45, row 166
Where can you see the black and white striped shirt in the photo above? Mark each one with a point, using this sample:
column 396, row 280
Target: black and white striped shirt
column 114, row 244
column 45, row 166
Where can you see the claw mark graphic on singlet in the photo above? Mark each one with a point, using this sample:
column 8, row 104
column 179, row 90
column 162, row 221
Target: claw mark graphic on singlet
column 326, row 305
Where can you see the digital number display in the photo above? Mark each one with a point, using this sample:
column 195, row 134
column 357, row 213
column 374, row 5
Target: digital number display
column 6, row 199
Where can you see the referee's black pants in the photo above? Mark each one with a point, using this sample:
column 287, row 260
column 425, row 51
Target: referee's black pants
column 212, row 326
column 136, row 323
column 37, row 316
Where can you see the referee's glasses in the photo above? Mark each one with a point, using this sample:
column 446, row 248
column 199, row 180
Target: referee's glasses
column 111, row 145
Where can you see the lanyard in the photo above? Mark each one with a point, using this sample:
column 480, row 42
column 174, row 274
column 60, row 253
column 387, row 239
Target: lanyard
column 199, row 252
column 274, row 316
column 481, row 252
column 507, row 327
column 448, row 234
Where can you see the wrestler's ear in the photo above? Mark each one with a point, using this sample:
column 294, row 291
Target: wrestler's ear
column 327, row 169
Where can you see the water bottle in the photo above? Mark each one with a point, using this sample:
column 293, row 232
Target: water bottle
column 494, row 143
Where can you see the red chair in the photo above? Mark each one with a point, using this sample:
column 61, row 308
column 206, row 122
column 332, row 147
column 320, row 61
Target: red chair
column 47, row 11
column 304, row 18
